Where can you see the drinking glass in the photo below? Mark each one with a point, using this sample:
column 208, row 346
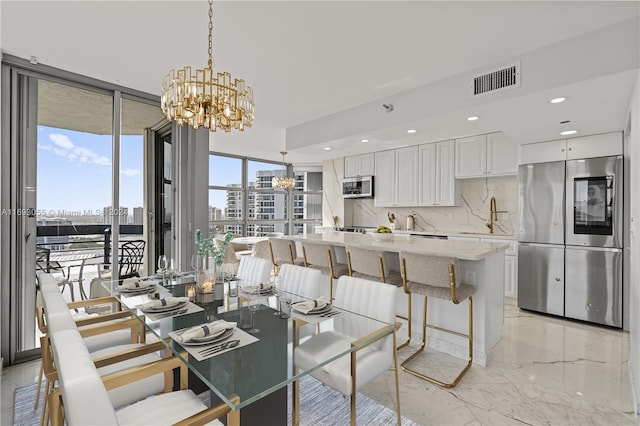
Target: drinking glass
column 254, row 303
column 162, row 266
column 196, row 262
column 277, row 295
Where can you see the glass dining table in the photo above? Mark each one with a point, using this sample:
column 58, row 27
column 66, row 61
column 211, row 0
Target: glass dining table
column 257, row 370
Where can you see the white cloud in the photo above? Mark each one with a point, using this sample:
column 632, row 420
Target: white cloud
column 62, row 141
column 131, row 172
column 64, row 147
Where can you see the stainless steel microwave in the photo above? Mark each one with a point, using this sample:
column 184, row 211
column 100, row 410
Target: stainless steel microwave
column 358, row 187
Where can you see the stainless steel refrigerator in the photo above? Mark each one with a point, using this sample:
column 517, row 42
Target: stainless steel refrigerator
column 570, row 239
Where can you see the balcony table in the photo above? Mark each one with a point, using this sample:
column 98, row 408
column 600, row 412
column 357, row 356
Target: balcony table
column 259, row 372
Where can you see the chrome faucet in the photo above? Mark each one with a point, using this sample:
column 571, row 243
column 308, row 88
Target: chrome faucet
column 493, row 214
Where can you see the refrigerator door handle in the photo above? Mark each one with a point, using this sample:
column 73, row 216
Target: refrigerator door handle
column 541, row 245
column 585, row 248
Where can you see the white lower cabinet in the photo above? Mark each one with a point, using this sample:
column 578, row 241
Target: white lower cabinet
column 510, row 266
column 510, row 262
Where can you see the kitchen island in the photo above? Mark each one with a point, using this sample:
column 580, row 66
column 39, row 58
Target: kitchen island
column 481, row 265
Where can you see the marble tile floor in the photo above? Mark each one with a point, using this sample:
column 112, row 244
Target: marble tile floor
column 544, row 371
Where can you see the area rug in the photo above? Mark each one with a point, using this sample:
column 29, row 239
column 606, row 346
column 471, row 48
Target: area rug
column 319, row 405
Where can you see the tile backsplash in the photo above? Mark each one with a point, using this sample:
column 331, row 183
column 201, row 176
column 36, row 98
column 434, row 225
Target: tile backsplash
column 470, row 216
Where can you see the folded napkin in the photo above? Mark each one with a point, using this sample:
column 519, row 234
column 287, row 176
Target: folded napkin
column 309, row 305
column 169, row 301
column 258, row 288
column 204, row 330
column 133, row 283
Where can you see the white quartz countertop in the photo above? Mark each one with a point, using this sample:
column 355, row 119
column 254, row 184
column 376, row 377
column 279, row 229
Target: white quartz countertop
column 465, row 250
column 465, row 234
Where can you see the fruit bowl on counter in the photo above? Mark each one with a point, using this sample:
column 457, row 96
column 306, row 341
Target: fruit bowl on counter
column 382, row 233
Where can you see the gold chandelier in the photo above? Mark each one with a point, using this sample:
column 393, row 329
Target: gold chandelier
column 201, row 99
column 285, row 182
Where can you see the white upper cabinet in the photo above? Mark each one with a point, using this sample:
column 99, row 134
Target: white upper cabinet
column 396, row 177
column 471, row 156
column 437, row 183
column 603, row 145
column 485, row 155
column 543, row 152
column 502, row 155
column 385, row 178
column 593, row 146
column 407, row 176
column 367, row 164
column 359, row 165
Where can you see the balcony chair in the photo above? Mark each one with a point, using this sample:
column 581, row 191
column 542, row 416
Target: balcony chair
column 323, row 257
column 347, row 374
column 436, row 276
column 373, row 265
column 283, row 250
column 130, row 260
column 82, row 396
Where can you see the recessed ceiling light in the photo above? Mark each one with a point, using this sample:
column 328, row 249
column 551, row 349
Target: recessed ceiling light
column 364, row 140
column 411, row 131
column 568, row 132
column 327, row 148
column 472, row 118
column 557, row 100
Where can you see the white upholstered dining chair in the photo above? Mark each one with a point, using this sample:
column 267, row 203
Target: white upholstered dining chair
column 82, row 397
column 374, row 265
column 371, row 300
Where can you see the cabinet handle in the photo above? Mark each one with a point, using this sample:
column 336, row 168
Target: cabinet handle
column 570, row 149
column 562, row 150
column 558, row 280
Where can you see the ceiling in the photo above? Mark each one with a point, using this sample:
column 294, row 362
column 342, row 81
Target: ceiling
column 321, row 70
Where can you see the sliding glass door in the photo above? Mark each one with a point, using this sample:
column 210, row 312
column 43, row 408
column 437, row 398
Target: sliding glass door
column 76, row 185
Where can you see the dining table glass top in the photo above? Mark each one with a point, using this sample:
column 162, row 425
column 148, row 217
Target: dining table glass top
column 235, row 361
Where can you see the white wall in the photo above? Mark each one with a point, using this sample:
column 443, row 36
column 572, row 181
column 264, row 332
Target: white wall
column 633, row 129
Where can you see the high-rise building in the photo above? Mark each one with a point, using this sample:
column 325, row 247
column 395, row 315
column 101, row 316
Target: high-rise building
column 215, row 214
column 108, row 213
column 138, row 216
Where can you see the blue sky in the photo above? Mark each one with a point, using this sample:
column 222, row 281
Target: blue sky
column 74, row 170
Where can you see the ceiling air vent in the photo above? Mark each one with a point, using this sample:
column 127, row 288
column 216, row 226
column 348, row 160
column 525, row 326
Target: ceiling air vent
column 503, row 78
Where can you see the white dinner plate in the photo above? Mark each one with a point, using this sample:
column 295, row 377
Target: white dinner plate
column 207, row 340
column 139, row 290
column 164, row 308
column 316, row 311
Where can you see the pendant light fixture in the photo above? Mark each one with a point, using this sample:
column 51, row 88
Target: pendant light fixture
column 285, row 182
column 201, row 99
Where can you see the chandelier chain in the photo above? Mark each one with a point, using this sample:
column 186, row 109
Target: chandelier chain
column 211, row 34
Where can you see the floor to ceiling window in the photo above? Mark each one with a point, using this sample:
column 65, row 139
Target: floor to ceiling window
column 243, row 201
column 59, row 143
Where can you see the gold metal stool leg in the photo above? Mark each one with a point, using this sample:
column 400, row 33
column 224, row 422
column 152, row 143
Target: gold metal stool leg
column 408, row 319
column 469, row 338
